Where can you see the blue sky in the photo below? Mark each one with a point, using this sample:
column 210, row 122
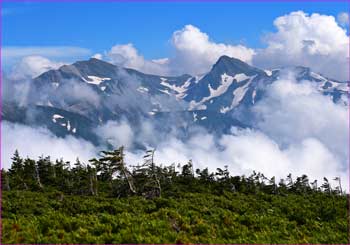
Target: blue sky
column 149, row 26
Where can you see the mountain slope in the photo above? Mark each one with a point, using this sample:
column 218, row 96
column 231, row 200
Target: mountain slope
column 77, row 98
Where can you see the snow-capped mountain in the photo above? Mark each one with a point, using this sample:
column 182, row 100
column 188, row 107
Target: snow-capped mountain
column 75, row 99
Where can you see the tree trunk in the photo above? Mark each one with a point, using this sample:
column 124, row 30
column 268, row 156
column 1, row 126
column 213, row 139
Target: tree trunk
column 126, row 174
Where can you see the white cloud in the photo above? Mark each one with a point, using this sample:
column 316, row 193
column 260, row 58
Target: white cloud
column 295, row 111
column 194, row 53
column 97, row 56
column 343, row 18
column 116, row 133
column 32, row 66
column 248, row 151
column 254, row 150
column 30, row 61
column 72, row 92
column 310, row 129
column 127, row 56
column 315, row 41
column 35, row 142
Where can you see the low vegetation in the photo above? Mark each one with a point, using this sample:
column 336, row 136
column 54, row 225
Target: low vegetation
column 108, row 202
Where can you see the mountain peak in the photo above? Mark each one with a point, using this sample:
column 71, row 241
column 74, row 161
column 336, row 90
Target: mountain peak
column 95, row 66
column 233, row 66
column 226, row 58
column 93, row 62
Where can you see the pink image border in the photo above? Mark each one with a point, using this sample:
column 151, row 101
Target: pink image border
column 167, row 1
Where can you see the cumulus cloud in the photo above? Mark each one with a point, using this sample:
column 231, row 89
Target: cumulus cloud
column 295, row 111
column 310, row 129
column 35, row 142
column 32, row 60
column 97, row 56
column 126, row 55
column 315, row 41
column 194, row 53
column 343, row 18
column 32, row 66
column 17, row 81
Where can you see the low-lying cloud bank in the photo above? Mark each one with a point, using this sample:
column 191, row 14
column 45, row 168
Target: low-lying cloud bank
column 298, row 131
column 35, row 142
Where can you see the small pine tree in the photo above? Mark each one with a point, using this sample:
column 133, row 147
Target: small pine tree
column 326, row 186
column 339, row 187
column 112, row 162
column 5, row 180
column 187, row 170
column 151, row 183
column 16, row 172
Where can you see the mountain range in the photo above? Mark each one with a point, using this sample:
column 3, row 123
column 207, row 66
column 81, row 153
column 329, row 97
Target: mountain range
column 77, row 98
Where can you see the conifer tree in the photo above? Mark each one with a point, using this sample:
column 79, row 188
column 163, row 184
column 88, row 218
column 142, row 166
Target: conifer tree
column 17, row 172
column 5, row 180
column 149, row 176
column 338, row 188
column 31, row 174
column 187, row 170
column 326, row 186
column 45, row 171
column 113, row 162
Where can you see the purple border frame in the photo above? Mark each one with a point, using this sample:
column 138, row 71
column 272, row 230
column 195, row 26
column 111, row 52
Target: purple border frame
column 171, row 1
column 183, row 1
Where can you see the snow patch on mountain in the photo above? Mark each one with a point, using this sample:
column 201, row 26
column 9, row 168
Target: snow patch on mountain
column 268, row 72
column 179, row 90
column 96, row 80
column 195, row 117
column 49, row 103
column 165, row 91
column 142, row 89
column 68, row 125
column 55, row 117
column 253, row 96
column 238, row 95
column 343, row 87
column 317, row 76
column 226, row 82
